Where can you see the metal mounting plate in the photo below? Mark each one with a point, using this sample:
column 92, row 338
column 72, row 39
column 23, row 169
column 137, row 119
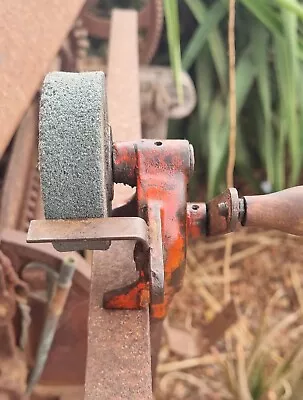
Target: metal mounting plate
column 87, row 234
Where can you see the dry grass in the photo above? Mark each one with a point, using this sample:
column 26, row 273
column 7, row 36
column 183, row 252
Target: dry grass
column 264, row 347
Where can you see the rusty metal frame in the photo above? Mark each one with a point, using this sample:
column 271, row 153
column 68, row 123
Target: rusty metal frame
column 59, row 369
column 118, row 358
column 20, row 195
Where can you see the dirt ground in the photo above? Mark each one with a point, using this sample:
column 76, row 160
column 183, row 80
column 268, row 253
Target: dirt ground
column 266, row 287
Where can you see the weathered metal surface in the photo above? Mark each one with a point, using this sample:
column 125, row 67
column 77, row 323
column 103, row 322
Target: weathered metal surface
column 164, row 168
column 157, row 251
column 196, row 219
column 56, row 306
column 118, row 358
column 13, row 281
column 7, row 311
column 13, row 377
column 67, row 357
column 66, row 361
column 150, row 22
column 222, row 213
column 281, row 210
column 123, row 77
column 20, row 196
column 51, row 392
column 24, row 55
column 13, row 244
column 161, row 170
column 156, row 332
column 159, row 100
column 74, row 50
column 12, row 363
column 123, row 86
column 86, row 234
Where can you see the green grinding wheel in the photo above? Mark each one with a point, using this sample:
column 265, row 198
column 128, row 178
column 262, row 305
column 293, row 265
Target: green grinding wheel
column 75, row 148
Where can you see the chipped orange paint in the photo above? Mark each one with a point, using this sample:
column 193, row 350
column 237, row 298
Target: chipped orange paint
column 161, row 172
column 196, row 219
column 130, row 297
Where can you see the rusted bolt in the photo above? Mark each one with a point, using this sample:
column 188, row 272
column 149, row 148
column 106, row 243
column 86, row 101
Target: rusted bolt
column 223, row 209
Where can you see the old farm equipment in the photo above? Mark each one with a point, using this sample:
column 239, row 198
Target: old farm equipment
column 66, row 325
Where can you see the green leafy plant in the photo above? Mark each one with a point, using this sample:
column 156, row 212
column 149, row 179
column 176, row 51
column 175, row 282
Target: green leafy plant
column 269, row 68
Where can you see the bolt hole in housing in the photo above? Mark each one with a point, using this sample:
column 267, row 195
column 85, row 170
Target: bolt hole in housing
column 195, row 207
column 158, row 143
column 20, row 290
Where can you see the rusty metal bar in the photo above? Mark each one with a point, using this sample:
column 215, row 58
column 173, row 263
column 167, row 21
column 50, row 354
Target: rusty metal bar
column 123, row 77
column 27, row 52
column 123, row 86
column 119, row 359
column 20, row 165
column 55, row 308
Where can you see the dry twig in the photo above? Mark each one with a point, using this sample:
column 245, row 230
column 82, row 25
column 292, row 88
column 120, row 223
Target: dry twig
column 232, row 134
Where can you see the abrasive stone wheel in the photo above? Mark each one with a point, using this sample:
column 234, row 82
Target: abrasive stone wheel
column 75, row 147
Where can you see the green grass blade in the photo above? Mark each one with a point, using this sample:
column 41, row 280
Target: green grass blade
column 215, row 42
column 218, row 121
column 171, row 11
column 217, row 144
column 266, row 14
column 291, row 68
column 197, row 8
column 281, row 79
column 261, row 51
column 294, row 6
column 204, row 84
column 212, row 18
column 245, row 76
column 243, row 160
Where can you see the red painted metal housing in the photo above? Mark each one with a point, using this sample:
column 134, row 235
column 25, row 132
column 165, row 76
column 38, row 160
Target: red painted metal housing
column 160, row 170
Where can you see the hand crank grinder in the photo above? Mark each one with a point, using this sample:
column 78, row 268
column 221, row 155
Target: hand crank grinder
column 79, row 165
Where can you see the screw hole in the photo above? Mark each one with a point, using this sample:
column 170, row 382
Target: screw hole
column 20, row 290
column 158, row 143
column 195, row 207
